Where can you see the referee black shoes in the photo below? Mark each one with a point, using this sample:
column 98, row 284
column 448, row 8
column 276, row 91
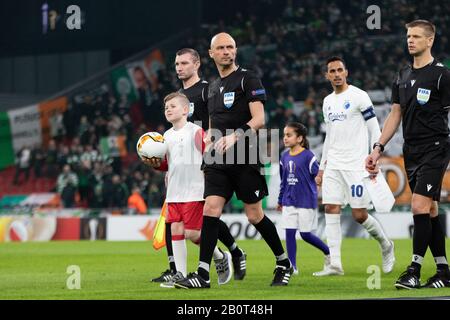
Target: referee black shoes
column 166, row 276
column 440, row 280
column 282, row 275
column 408, row 279
column 240, row 266
column 193, row 281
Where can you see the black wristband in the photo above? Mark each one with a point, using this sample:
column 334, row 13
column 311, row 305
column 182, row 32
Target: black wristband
column 377, row 144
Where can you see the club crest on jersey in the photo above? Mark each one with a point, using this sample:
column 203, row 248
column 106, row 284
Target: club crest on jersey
column 346, row 105
column 191, row 109
column 423, row 95
column 228, row 99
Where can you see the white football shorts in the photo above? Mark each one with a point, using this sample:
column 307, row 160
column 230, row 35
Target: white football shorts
column 344, row 187
column 304, row 220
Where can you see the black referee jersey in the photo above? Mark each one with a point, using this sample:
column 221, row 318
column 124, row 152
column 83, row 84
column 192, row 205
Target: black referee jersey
column 229, row 98
column 198, row 103
column 424, row 97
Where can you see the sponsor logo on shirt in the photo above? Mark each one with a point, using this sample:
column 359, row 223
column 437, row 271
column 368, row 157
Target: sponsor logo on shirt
column 337, row 116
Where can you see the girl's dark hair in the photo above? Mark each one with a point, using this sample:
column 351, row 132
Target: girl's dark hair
column 300, row 130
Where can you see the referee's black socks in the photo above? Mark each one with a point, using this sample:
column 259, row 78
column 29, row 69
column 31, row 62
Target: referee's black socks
column 437, row 244
column 269, row 233
column 227, row 239
column 208, row 241
column 421, row 239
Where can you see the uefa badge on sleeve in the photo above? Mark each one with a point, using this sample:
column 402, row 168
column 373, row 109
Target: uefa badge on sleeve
column 423, row 95
column 228, row 99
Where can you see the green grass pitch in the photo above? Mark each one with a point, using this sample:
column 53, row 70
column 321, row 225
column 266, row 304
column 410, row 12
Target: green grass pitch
column 121, row 270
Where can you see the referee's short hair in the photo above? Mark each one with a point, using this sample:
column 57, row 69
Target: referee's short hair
column 192, row 52
column 429, row 28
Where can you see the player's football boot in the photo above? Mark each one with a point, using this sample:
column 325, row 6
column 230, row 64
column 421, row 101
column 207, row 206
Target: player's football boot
column 440, row 280
column 171, row 283
column 388, row 258
column 224, row 268
column 329, row 269
column 240, row 266
column 282, row 275
column 165, row 276
column 193, row 281
column 408, row 279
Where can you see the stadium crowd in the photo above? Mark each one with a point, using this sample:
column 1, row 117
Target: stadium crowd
column 289, row 44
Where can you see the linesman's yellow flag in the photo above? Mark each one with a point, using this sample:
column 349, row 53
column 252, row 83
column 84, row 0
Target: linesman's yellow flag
column 159, row 236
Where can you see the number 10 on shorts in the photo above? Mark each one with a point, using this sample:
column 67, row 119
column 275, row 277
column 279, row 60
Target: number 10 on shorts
column 357, row 190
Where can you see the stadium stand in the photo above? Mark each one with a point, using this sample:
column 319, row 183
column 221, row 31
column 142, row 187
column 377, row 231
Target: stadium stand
column 286, row 44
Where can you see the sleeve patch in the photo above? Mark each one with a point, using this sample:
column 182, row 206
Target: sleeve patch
column 369, row 113
column 258, row 92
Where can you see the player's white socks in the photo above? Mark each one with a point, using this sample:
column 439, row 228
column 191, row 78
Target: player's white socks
column 180, row 255
column 334, row 238
column 376, row 230
column 217, row 254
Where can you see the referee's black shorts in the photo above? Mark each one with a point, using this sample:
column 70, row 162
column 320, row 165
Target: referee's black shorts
column 246, row 180
column 425, row 166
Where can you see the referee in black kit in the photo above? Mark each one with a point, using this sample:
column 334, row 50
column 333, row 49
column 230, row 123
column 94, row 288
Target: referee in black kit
column 187, row 65
column 235, row 101
column 421, row 99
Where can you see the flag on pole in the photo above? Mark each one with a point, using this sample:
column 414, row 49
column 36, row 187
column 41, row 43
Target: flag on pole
column 159, row 236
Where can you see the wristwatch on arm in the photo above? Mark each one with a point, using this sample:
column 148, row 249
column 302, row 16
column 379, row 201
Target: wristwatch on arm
column 379, row 145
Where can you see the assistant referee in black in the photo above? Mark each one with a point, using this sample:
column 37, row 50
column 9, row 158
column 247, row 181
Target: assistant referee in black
column 421, row 100
column 235, row 101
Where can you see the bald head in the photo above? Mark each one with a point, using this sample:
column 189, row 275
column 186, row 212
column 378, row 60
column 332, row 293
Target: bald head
column 222, row 37
column 223, row 51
